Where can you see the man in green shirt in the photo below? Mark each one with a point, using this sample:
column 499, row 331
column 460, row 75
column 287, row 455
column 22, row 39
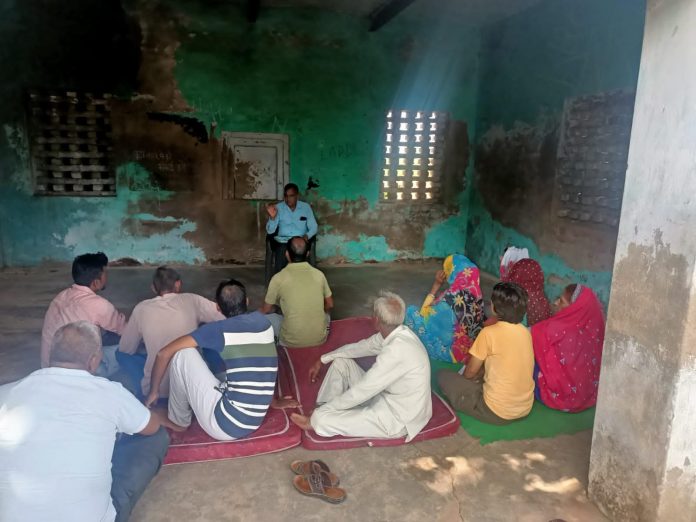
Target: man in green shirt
column 304, row 298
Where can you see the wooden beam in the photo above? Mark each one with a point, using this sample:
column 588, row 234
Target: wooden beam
column 252, row 10
column 386, row 12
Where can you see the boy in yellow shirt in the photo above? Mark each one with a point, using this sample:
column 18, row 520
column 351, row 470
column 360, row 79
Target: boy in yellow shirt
column 503, row 353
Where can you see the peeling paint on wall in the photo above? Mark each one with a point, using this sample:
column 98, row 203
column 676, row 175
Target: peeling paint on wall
column 531, row 63
column 487, row 238
column 315, row 75
column 60, row 228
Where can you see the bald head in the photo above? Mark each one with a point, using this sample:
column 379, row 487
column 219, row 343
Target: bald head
column 77, row 345
column 297, row 249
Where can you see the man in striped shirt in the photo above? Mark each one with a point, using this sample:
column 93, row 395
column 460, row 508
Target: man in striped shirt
column 225, row 410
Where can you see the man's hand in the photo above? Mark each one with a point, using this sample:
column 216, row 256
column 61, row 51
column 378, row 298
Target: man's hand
column 151, row 399
column 272, row 210
column 314, row 370
column 284, row 403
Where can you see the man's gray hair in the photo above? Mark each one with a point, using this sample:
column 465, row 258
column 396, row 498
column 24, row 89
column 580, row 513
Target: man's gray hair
column 389, row 309
column 75, row 343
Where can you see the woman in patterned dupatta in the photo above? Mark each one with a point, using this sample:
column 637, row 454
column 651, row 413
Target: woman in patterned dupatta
column 447, row 323
column 528, row 274
column 568, row 351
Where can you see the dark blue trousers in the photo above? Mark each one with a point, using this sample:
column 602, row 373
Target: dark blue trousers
column 135, row 461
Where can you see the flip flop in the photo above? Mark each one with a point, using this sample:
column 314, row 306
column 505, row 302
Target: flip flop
column 319, row 485
column 308, row 467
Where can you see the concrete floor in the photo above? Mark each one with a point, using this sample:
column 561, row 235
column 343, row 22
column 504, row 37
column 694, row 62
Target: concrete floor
column 442, row 480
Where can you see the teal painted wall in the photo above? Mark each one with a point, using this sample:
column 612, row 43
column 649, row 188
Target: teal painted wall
column 530, row 64
column 318, row 76
column 327, row 83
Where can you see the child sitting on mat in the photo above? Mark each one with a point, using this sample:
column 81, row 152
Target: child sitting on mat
column 503, row 355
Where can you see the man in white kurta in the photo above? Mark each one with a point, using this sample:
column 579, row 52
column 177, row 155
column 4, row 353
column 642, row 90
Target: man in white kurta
column 392, row 399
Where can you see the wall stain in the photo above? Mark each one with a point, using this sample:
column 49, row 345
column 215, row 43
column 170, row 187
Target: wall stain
column 651, row 295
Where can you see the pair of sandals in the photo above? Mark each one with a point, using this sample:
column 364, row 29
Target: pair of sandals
column 314, row 479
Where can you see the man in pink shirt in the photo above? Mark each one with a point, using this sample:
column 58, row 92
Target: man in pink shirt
column 80, row 302
column 160, row 320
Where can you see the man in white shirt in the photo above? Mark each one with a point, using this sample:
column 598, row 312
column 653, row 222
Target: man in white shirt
column 58, row 439
column 391, row 399
column 160, row 320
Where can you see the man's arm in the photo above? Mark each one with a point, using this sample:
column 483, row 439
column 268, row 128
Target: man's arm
column 473, row 369
column 388, row 368
column 271, row 298
column 110, row 319
column 328, row 295
column 207, row 310
column 164, row 356
column 131, row 337
column 273, row 218
column 311, row 223
column 479, row 353
column 370, row 346
column 130, row 415
column 152, row 426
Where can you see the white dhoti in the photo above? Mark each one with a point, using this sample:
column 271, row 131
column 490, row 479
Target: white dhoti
column 371, row 419
column 192, row 386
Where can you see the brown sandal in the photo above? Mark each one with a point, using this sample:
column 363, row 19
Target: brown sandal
column 309, row 467
column 319, row 485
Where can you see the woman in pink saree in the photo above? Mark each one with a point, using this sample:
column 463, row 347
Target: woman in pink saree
column 568, row 351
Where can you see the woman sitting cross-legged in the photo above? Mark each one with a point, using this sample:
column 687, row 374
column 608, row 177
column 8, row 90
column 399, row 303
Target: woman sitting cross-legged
column 448, row 323
column 502, row 354
column 568, row 351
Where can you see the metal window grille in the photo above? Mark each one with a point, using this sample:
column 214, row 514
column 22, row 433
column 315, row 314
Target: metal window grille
column 70, row 143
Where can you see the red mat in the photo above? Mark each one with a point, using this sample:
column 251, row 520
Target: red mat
column 294, row 369
column 276, row 433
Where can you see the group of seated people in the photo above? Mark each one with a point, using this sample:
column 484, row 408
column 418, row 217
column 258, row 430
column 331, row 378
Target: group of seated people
column 83, row 436
column 556, row 358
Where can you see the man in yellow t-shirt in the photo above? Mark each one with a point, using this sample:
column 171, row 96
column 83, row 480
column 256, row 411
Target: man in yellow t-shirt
column 304, row 297
column 503, row 355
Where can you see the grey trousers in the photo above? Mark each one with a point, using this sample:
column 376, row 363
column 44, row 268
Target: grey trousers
column 467, row 396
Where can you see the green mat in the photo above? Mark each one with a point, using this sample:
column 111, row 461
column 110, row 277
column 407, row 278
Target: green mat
column 541, row 422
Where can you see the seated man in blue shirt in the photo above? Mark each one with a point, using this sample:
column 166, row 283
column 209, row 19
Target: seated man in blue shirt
column 289, row 218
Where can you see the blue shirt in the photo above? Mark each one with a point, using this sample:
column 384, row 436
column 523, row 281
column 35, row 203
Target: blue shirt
column 247, row 346
column 291, row 223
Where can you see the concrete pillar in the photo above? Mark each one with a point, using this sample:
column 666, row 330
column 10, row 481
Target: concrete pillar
column 643, row 464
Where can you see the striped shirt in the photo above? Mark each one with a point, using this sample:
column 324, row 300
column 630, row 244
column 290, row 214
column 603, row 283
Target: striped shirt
column 247, row 346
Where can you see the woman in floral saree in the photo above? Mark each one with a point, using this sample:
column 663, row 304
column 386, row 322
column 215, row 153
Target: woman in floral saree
column 448, row 322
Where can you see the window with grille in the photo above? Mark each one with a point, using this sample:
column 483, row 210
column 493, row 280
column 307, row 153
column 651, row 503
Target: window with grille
column 70, row 140
column 413, row 146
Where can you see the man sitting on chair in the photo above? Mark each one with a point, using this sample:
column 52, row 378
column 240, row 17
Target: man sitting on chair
column 289, row 218
column 391, row 399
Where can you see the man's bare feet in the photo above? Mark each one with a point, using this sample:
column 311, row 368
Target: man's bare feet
column 284, row 403
column 301, row 421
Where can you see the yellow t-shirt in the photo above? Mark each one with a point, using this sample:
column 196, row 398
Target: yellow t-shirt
column 508, row 387
column 300, row 289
